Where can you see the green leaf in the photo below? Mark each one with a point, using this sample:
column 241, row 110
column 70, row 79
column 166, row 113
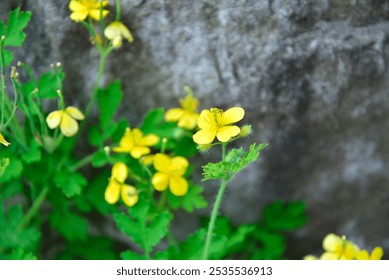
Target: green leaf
column 71, row 183
column 49, row 83
column 18, row 254
column 16, row 23
column 8, row 57
column 100, row 158
column 14, row 170
column 93, row 248
column 129, row 255
column 152, row 119
column 136, row 226
column 189, row 202
column 10, row 189
column 33, row 154
column 10, row 236
column 73, row 227
column 235, row 161
column 284, row 216
column 108, row 100
column 272, row 244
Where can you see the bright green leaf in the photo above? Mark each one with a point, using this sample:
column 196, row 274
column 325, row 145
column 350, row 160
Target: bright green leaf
column 191, row 201
column 71, row 183
column 108, row 100
column 73, row 227
column 16, row 23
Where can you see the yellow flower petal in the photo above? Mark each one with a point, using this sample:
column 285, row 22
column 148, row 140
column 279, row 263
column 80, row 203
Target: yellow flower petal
column 310, row 258
column 95, row 14
column 79, row 16
column 225, row 133
column 126, row 33
column 129, row 195
column 69, row 126
column 204, row 136
column 139, row 151
column 174, row 114
column 160, row 181
column 179, row 165
column 377, row 253
column 54, row 119
column 188, row 120
column 120, row 172
column 232, row 115
column 74, row 113
column 75, row 6
column 112, row 192
column 149, row 140
column 206, row 120
column 363, row 255
column 162, row 162
column 3, row 141
column 329, row 256
column 178, row 186
column 332, row 243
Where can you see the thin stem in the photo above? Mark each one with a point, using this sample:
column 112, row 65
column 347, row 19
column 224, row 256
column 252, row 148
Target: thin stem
column 162, row 200
column 117, row 10
column 82, row 162
column 34, row 208
column 215, row 210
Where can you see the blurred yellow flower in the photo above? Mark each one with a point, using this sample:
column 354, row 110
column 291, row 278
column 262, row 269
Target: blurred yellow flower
column 338, row 248
column 81, row 9
column 3, row 141
column 117, row 187
column 216, row 123
column 376, row 254
column 135, row 143
column 116, row 31
column 187, row 115
column 170, row 173
column 66, row 120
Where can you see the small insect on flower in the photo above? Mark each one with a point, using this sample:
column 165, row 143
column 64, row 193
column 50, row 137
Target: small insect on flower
column 170, row 173
column 3, row 141
column 66, row 120
column 116, row 186
column 116, row 31
column 217, row 123
column 81, row 9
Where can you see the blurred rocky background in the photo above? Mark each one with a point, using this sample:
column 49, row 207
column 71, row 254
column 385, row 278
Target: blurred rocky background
column 313, row 77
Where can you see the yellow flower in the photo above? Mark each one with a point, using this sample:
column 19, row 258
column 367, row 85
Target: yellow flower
column 3, row 141
column 66, row 120
column 135, row 143
column 376, row 254
column 117, row 187
column 338, row 248
column 81, row 9
column 216, row 123
column 116, row 31
column 170, row 171
column 187, row 115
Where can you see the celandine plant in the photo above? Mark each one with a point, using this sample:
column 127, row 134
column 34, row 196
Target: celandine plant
column 142, row 172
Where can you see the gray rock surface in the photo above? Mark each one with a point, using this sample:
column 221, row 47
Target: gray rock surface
column 312, row 76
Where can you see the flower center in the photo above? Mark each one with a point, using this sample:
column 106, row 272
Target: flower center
column 217, row 116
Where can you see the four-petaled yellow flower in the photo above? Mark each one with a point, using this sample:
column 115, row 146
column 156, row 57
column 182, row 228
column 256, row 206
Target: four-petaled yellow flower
column 338, row 248
column 187, row 115
column 135, row 143
column 66, row 120
column 376, row 254
column 81, row 9
column 3, row 141
column 216, row 123
column 170, row 173
column 116, row 31
column 117, row 187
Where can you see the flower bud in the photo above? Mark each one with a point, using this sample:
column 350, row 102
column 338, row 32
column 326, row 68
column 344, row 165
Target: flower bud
column 245, row 131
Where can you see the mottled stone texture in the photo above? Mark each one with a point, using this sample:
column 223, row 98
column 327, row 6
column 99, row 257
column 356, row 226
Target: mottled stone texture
column 312, row 75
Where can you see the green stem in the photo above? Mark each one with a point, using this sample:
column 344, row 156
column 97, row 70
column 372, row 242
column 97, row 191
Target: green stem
column 34, row 208
column 117, row 10
column 215, row 210
column 82, row 162
column 162, row 200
